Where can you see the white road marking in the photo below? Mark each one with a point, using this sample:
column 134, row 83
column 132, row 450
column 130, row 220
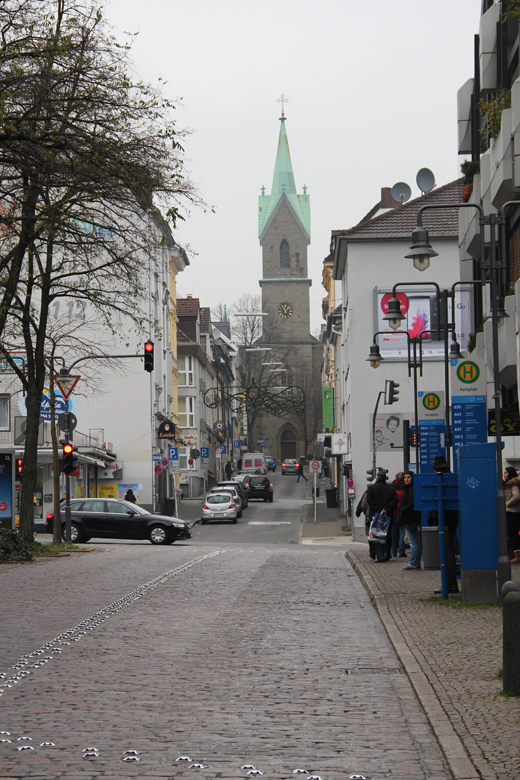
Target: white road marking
column 269, row 522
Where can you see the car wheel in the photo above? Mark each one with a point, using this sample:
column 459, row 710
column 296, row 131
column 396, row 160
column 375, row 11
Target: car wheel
column 234, row 521
column 87, row 538
column 270, row 499
column 239, row 514
column 204, row 521
column 158, row 535
column 266, row 499
column 75, row 533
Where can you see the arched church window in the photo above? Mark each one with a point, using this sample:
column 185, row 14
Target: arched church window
column 285, row 260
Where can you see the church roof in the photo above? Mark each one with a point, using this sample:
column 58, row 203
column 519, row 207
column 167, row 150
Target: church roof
column 283, row 184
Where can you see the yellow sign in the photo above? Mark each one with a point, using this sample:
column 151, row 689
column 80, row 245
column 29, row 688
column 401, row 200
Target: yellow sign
column 431, row 401
column 108, row 490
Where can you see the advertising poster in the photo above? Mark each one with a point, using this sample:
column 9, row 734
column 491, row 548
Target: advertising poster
column 108, row 490
column 388, row 432
column 122, row 490
column 6, row 489
column 328, row 407
column 417, row 310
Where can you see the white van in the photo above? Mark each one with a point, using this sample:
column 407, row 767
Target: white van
column 252, row 461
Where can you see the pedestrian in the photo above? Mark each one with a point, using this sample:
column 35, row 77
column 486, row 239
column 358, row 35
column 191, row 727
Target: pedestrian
column 363, row 508
column 410, row 522
column 398, row 530
column 299, row 471
column 512, row 495
column 239, row 464
column 382, row 499
column 228, row 469
column 451, row 521
column 130, row 496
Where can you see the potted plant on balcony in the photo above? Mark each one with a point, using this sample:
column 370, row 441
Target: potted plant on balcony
column 469, row 168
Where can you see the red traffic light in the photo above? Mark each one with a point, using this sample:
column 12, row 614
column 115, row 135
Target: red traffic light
column 148, row 356
column 67, row 449
column 19, row 468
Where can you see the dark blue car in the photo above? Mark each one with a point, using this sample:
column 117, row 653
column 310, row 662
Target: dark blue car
column 270, row 463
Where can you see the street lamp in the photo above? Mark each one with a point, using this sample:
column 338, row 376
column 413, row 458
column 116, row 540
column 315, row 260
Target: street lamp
column 492, row 270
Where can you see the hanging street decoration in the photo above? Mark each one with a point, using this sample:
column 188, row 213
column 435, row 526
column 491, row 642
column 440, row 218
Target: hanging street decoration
column 281, row 402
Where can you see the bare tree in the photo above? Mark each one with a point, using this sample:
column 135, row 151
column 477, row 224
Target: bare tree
column 87, row 155
column 310, row 422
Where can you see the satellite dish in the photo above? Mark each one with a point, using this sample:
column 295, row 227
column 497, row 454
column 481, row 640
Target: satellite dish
column 425, row 180
column 401, row 192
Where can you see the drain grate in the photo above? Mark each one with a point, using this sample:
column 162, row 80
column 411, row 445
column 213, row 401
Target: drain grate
column 372, row 670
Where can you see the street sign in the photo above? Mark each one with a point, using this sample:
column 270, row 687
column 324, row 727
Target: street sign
column 20, row 429
column 195, row 453
column 350, row 483
column 156, row 456
column 315, row 465
column 158, row 469
column 468, row 402
column 236, row 444
column 164, row 462
column 67, row 421
column 190, row 461
column 219, row 426
column 432, row 427
column 218, row 452
column 173, row 453
column 223, row 449
column 67, row 387
column 204, row 455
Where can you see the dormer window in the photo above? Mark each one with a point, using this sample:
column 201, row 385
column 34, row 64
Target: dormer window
column 285, row 260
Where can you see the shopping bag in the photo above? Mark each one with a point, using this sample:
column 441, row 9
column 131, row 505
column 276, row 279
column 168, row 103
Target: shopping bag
column 379, row 528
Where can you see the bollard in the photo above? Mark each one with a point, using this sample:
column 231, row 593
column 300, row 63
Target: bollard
column 511, row 638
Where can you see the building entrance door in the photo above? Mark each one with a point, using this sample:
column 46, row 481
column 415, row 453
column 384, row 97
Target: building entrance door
column 287, row 445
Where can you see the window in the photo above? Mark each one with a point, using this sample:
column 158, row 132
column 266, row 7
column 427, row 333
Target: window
column 285, row 260
column 4, row 411
column 187, row 412
column 93, row 506
column 117, row 509
column 184, row 454
column 186, row 376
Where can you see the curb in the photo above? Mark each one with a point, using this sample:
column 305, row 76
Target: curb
column 451, row 745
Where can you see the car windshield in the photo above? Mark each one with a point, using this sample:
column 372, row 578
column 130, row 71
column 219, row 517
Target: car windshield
column 218, row 499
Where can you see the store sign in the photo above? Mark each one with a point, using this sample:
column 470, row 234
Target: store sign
column 111, row 471
column 339, row 443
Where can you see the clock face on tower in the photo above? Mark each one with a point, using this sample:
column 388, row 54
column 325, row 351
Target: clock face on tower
column 285, row 310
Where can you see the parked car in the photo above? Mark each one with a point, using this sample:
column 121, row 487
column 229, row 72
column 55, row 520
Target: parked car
column 290, row 466
column 239, row 486
column 233, row 491
column 270, row 463
column 110, row 518
column 244, row 478
column 220, row 506
column 261, row 487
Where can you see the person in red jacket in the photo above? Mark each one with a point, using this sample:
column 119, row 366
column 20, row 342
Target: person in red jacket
column 398, row 531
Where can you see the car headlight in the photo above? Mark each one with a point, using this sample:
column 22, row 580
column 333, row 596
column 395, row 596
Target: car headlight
column 180, row 525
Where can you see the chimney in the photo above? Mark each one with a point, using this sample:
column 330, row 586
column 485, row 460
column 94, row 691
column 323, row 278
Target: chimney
column 387, row 202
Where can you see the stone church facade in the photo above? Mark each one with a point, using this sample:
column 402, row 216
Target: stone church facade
column 284, row 234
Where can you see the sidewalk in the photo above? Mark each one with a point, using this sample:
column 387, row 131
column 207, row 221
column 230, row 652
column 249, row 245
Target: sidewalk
column 452, row 654
column 330, row 526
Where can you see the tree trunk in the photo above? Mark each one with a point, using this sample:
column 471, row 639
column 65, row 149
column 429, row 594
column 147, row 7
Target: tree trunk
column 56, row 531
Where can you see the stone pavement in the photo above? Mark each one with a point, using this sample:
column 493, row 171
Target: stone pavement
column 264, row 657
column 452, row 654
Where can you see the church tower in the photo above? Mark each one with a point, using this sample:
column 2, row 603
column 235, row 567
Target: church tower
column 284, row 230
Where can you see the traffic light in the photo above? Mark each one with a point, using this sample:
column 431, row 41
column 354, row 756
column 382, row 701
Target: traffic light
column 148, row 356
column 19, row 469
column 414, row 436
column 69, row 464
column 370, row 475
column 391, row 391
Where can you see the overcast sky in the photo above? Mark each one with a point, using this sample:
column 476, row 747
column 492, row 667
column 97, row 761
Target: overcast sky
column 372, row 90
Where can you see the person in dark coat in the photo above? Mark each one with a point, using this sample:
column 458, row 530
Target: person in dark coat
column 398, row 530
column 451, row 521
column 228, row 468
column 512, row 496
column 382, row 498
column 410, row 521
column 130, row 496
column 299, row 471
column 239, row 464
column 363, row 508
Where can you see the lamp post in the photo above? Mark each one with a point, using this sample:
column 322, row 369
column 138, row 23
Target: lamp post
column 415, row 363
column 492, row 271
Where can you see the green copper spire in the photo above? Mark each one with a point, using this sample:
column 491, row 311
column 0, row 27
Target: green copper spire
column 284, row 185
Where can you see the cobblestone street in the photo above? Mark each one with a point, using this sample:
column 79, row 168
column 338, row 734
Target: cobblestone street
column 274, row 659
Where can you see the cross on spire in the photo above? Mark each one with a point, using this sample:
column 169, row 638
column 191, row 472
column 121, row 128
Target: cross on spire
column 282, row 99
column 263, row 190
